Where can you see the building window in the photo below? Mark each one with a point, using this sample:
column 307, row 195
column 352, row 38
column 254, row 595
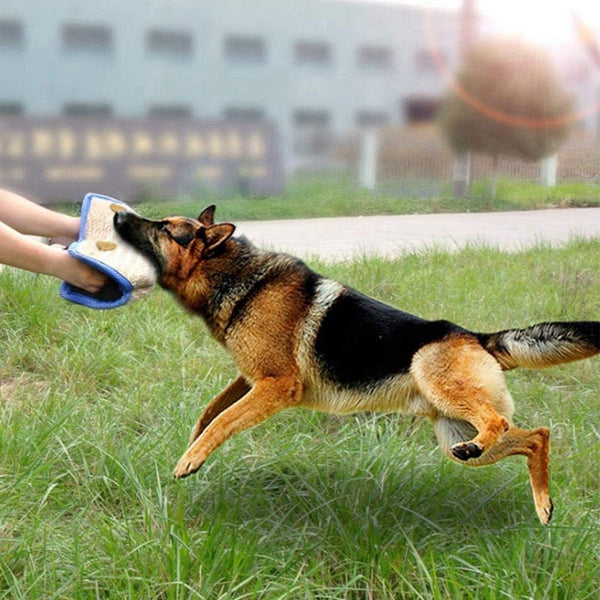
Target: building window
column 170, row 111
column 312, row 118
column 245, row 114
column 375, row 57
column 170, row 44
column 11, row 34
column 92, row 39
column 312, row 135
column 372, row 118
column 83, row 109
column 312, row 53
column 420, row 109
column 11, row 109
column 245, row 49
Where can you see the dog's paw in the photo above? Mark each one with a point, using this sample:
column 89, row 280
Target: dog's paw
column 544, row 510
column 467, row 450
column 186, row 466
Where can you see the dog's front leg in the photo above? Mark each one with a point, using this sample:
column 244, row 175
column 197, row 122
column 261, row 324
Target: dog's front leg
column 266, row 397
column 232, row 393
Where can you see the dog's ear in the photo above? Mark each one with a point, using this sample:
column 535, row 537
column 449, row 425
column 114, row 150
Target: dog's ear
column 207, row 216
column 215, row 235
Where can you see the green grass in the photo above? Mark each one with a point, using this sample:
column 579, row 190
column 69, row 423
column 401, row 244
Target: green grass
column 334, row 195
column 337, row 195
column 95, row 410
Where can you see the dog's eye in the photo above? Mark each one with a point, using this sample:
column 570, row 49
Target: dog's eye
column 183, row 239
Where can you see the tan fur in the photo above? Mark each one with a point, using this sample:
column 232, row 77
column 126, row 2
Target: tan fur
column 467, row 387
column 263, row 342
column 462, row 381
column 269, row 325
column 266, row 398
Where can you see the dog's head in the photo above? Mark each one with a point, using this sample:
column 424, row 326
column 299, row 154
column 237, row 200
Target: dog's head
column 176, row 245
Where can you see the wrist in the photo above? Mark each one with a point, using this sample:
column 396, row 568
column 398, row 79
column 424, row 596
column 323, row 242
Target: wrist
column 52, row 261
column 69, row 228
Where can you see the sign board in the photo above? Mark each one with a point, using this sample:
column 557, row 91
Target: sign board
column 61, row 159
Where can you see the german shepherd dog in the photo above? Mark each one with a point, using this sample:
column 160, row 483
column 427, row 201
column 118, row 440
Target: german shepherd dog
column 301, row 340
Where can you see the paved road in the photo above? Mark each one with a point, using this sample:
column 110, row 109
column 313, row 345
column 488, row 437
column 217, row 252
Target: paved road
column 345, row 237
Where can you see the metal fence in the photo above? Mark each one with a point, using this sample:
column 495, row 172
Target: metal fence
column 418, row 158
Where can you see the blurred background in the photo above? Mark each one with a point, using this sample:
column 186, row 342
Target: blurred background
column 188, row 98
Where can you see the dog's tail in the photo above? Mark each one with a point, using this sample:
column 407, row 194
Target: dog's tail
column 544, row 344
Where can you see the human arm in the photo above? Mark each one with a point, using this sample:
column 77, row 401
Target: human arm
column 17, row 216
column 32, row 219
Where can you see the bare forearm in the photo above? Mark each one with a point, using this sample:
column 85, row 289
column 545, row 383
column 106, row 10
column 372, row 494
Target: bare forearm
column 20, row 216
column 30, row 218
column 20, row 251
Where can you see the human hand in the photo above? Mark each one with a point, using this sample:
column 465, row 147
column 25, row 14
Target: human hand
column 75, row 271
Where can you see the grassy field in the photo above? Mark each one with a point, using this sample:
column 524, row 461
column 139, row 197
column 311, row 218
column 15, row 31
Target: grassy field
column 95, row 409
column 335, row 195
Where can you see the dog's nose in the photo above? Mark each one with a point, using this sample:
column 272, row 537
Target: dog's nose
column 120, row 218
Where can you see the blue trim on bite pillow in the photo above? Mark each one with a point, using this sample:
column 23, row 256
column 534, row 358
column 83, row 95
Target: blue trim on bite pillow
column 72, row 293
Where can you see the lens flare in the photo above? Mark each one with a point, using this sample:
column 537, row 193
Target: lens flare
column 487, row 110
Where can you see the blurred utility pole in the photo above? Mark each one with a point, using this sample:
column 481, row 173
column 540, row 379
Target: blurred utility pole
column 462, row 162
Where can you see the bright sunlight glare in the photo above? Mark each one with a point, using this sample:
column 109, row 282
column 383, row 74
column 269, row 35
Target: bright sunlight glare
column 547, row 22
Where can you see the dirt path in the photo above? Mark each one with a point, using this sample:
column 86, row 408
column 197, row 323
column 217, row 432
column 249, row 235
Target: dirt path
column 345, row 237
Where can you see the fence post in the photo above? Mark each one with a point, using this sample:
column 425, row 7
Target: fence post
column 367, row 175
column 548, row 168
column 461, row 174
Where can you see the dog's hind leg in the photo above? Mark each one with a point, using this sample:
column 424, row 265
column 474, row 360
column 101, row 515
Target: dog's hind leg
column 232, row 393
column 266, row 397
column 464, row 382
column 534, row 444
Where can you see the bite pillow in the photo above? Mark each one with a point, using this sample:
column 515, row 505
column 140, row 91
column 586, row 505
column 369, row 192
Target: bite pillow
column 130, row 274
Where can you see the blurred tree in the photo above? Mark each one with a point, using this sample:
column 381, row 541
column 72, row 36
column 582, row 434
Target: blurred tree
column 506, row 99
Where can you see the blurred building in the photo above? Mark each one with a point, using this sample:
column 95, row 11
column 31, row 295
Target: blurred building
column 315, row 68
